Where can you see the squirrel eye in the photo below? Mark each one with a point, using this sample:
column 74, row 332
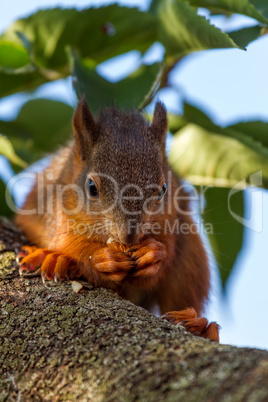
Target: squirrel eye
column 92, row 190
column 162, row 192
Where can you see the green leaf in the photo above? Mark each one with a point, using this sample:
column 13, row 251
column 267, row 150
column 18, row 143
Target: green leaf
column 206, row 158
column 255, row 129
column 251, row 134
column 175, row 122
column 4, row 209
column 12, row 56
column 191, row 114
column 194, row 115
column 132, row 92
column 48, row 122
column 28, row 45
column 227, row 237
column 40, row 127
column 262, row 6
column 7, row 150
column 105, row 32
column 16, row 71
column 11, row 128
column 182, row 30
column 98, row 33
column 246, row 35
column 20, row 138
column 11, row 83
column 233, row 6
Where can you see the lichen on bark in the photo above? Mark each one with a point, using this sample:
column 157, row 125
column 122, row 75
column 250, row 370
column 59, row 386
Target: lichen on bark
column 56, row 345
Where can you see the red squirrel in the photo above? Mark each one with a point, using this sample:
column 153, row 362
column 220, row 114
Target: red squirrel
column 105, row 209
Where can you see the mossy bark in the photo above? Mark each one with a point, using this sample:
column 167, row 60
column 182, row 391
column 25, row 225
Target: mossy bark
column 56, row 345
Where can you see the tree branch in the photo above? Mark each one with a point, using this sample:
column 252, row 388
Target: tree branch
column 58, row 345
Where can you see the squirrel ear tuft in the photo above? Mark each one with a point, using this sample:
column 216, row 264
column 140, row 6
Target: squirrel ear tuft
column 160, row 123
column 84, row 128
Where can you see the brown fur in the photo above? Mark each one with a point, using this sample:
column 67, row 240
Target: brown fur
column 168, row 269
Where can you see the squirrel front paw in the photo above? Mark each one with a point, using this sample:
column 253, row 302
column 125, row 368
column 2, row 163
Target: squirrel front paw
column 198, row 326
column 53, row 265
column 112, row 263
column 147, row 256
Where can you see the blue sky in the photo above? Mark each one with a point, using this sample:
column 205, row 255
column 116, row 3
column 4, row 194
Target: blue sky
column 230, row 85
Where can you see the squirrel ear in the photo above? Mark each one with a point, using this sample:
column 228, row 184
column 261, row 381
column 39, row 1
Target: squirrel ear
column 84, row 129
column 160, row 124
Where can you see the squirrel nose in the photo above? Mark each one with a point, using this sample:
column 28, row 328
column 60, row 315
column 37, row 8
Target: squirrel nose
column 129, row 239
column 128, row 235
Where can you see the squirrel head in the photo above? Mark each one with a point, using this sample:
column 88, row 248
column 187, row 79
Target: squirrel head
column 121, row 160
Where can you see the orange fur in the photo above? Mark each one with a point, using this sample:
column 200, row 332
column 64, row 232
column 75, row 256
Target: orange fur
column 162, row 268
column 197, row 326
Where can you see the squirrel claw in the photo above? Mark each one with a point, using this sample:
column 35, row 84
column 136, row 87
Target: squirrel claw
column 20, row 256
column 131, row 249
column 25, row 250
column 44, row 280
column 23, row 268
column 195, row 325
column 53, row 265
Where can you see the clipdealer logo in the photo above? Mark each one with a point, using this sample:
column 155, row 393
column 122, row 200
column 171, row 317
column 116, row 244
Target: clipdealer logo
column 254, row 221
column 46, row 204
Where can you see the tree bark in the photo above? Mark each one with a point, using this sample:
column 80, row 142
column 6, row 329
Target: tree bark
column 58, row 345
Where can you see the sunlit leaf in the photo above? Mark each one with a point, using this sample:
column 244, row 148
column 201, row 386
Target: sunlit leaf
column 98, row 33
column 12, row 56
column 233, row 6
column 7, row 150
column 226, row 239
column 17, row 73
column 182, row 30
column 252, row 134
column 205, row 158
